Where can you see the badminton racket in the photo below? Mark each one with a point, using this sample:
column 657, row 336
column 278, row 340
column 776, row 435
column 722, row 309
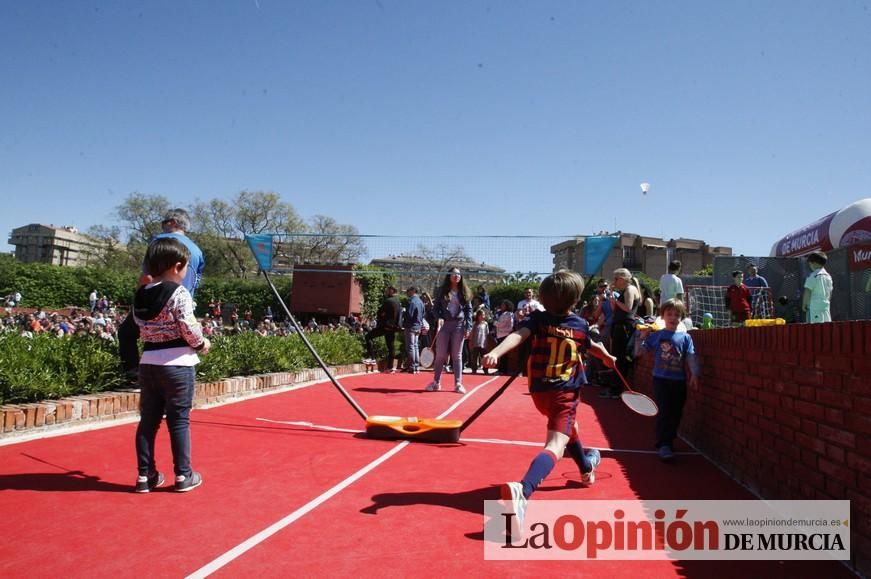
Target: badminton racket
column 636, row 401
column 426, row 357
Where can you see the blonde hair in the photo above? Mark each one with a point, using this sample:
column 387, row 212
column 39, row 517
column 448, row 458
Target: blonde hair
column 624, row 273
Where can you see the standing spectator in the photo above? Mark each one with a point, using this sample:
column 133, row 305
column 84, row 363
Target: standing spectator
column 92, row 301
column 478, row 341
column 784, row 310
column 670, row 285
column 528, row 305
column 17, row 297
column 738, row 298
column 758, row 301
column 525, row 307
column 648, row 307
column 505, row 324
column 387, row 326
column 817, row 295
column 412, row 324
column 623, row 326
column 163, row 309
column 753, row 279
column 482, row 295
column 604, row 313
column 175, row 223
column 453, row 309
column 427, row 338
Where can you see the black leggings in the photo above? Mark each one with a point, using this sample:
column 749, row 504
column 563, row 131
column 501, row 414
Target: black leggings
column 389, row 337
column 620, row 334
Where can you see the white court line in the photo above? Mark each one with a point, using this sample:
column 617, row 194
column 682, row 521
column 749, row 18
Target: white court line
column 255, row 540
column 478, row 440
column 311, row 425
column 602, row 448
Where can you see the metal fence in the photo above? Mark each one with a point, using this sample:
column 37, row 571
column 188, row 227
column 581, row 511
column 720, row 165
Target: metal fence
column 851, row 299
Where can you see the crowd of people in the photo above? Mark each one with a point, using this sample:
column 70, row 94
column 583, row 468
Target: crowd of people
column 68, row 322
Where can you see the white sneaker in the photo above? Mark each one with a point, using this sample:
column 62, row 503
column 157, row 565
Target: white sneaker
column 458, row 388
column 513, row 491
column 433, row 387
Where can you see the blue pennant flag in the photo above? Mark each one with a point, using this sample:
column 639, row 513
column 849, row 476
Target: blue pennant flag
column 596, row 250
column 261, row 247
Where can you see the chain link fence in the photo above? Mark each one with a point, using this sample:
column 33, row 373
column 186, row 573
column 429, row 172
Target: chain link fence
column 851, row 296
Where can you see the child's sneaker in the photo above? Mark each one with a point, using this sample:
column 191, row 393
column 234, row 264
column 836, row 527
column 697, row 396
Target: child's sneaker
column 595, row 458
column 665, row 453
column 513, row 491
column 146, row 484
column 433, row 387
column 458, row 388
column 184, row 484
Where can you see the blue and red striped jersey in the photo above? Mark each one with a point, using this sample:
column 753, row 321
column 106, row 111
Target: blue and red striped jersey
column 557, row 344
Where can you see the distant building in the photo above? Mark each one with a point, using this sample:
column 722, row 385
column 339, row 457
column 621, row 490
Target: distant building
column 639, row 253
column 37, row 243
column 427, row 274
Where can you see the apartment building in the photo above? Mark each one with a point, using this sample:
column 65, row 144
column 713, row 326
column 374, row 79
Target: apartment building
column 36, row 243
column 640, row 253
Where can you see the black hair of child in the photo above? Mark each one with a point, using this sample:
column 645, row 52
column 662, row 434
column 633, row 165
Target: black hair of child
column 163, row 253
column 817, row 257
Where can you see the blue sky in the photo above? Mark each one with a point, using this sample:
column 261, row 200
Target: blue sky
column 749, row 119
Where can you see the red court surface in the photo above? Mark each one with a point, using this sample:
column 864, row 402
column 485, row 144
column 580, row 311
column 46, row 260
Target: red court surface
column 294, row 500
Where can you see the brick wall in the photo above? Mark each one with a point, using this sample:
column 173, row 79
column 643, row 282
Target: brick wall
column 786, row 410
column 25, row 419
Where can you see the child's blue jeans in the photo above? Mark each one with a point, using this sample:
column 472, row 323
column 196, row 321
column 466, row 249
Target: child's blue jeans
column 170, row 390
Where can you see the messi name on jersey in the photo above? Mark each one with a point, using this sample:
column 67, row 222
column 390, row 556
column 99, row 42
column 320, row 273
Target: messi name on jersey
column 557, row 343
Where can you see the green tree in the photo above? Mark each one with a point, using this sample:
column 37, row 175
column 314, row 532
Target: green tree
column 113, row 252
column 141, row 214
column 222, row 226
column 374, row 283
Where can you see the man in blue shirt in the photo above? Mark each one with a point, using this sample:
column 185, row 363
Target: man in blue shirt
column 411, row 323
column 760, row 301
column 754, row 280
column 175, row 223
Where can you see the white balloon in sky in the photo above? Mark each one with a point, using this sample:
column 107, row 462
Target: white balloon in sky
column 645, row 187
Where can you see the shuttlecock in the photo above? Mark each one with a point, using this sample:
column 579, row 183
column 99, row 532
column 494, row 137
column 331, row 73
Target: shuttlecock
column 645, row 187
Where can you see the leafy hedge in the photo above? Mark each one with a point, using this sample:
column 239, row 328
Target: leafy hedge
column 248, row 353
column 45, row 367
